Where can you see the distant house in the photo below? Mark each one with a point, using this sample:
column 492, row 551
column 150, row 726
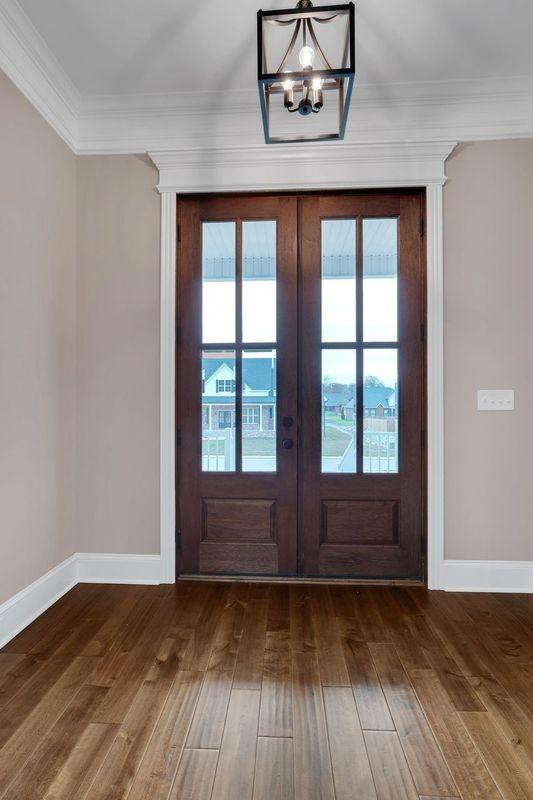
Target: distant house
column 379, row 401
column 336, row 399
column 219, row 388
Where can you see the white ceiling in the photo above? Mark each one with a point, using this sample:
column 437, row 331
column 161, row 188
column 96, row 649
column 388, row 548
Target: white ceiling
column 160, row 46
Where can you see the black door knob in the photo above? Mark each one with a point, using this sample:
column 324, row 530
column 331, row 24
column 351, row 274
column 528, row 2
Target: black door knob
column 287, row 444
column 287, row 422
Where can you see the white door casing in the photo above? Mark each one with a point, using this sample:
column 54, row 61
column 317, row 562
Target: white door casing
column 297, row 168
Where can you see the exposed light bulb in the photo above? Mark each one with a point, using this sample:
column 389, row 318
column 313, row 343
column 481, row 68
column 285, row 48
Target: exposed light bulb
column 317, row 84
column 306, row 56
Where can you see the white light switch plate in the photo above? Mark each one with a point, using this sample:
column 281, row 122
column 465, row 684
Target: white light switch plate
column 495, row 399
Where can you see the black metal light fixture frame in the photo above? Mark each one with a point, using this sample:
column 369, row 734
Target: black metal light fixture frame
column 340, row 79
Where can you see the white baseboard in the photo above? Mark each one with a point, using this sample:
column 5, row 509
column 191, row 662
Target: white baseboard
column 28, row 604
column 487, row 576
column 117, row 568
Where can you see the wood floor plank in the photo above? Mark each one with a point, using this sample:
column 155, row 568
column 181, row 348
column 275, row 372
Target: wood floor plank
column 391, row 774
column 125, row 610
column 68, row 631
column 28, row 729
column 274, row 773
column 234, row 776
column 343, row 600
column 462, row 757
column 349, row 757
column 8, row 662
column 278, row 617
column 83, row 763
column 229, row 630
column 455, row 683
column 331, row 664
column 143, row 656
column 57, row 618
column 471, row 649
column 430, row 773
column 198, row 654
column 209, row 718
column 390, row 609
column 159, row 765
column 249, row 666
column 515, row 724
column 19, row 676
column 313, row 779
column 507, row 767
column 373, row 629
column 371, row 704
column 125, row 755
column 53, row 750
column 195, row 777
column 302, row 634
column 275, row 718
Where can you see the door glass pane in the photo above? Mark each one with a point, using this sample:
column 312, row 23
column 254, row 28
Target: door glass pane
column 338, row 280
column 380, row 411
column 338, row 415
column 380, row 280
column 259, row 411
column 218, row 282
column 218, row 410
column 259, row 281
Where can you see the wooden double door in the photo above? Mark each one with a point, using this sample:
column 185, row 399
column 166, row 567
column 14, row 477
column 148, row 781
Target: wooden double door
column 300, row 385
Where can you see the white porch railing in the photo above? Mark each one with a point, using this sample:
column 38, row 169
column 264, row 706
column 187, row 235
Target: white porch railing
column 218, row 450
column 380, row 451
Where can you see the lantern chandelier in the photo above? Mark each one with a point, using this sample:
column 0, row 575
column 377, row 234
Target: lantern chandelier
column 306, row 79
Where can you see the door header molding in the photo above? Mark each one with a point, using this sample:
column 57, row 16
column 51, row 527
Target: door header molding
column 296, row 168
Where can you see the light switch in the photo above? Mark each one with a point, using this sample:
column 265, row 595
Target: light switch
column 495, row 399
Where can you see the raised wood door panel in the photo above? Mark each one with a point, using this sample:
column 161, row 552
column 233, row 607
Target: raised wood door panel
column 235, row 396
column 362, row 514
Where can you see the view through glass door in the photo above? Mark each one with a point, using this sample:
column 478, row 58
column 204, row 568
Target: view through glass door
column 301, row 385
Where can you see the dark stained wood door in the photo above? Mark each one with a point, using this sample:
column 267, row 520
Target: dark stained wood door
column 362, row 386
column 237, row 385
column 301, row 385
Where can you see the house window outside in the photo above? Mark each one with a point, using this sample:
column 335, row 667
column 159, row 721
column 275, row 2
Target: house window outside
column 250, row 415
column 225, row 386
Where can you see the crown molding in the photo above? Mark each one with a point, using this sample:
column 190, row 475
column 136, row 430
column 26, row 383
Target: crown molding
column 30, row 64
column 464, row 110
column 457, row 110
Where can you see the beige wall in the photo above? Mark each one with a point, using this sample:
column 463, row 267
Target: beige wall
column 488, row 206
column 488, row 317
column 37, row 344
column 118, row 355
column 79, row 359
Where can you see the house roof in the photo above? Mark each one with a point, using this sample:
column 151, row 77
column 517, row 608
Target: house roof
column 257, row 373
column 375, row 396
column 337, row 397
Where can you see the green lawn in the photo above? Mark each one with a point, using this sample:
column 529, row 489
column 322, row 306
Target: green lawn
column 335, row 441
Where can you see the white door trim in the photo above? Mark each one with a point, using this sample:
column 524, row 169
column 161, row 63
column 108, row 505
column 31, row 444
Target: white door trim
column 281, row 168
column 167, row 422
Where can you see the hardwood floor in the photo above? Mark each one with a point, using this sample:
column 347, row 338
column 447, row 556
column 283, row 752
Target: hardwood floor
column 221, row 691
